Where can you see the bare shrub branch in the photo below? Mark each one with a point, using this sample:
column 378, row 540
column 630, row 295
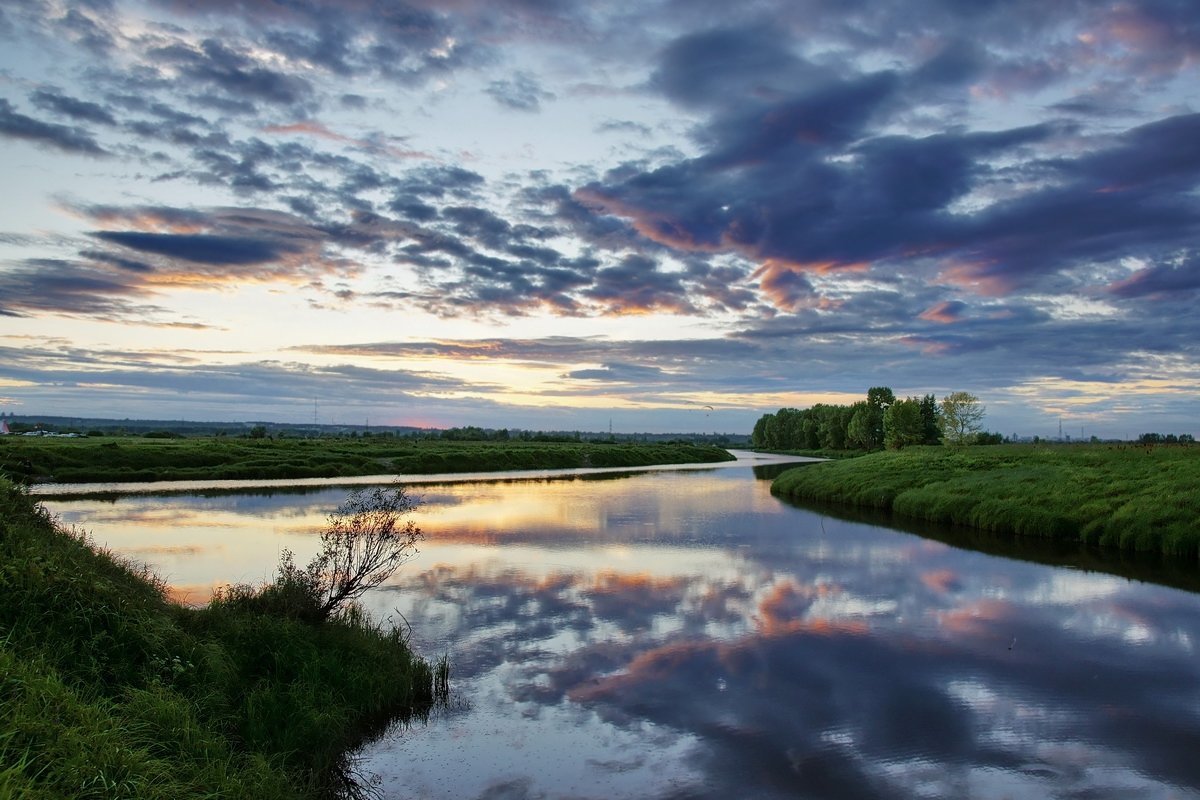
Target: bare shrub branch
column 366, row 539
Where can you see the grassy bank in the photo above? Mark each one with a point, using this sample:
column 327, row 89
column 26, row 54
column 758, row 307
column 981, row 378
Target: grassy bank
column 122, row 459
column 1135, row 498
column 108, row 690
column 817, row 453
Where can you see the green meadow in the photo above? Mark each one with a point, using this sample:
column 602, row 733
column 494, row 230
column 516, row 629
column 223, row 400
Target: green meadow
column 110, row 690
column 133, row 459
column 1127, row 496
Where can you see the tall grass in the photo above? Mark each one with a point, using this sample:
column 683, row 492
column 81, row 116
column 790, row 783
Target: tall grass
column 1134, row 498
column 108, row 690
column 133, row 459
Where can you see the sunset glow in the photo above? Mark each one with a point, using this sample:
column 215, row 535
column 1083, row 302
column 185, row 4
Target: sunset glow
column 568, row 216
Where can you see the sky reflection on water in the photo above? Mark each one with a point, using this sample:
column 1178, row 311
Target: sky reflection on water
column 686, row 635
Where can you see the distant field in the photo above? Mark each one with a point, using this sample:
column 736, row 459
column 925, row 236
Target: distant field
column 132, row 459
column 1132, row 497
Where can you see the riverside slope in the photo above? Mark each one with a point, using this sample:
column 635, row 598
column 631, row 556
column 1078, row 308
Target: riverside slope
column 1126, row 496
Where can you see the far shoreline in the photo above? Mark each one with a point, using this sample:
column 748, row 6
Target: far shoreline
column 743, row 458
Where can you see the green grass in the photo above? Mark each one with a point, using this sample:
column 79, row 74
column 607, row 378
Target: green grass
column 818, row 453
column 136, row 459
column 109, row 690
column 1130, row 497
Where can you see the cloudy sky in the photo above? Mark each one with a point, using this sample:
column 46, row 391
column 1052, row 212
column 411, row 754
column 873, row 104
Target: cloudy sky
column 551, row 214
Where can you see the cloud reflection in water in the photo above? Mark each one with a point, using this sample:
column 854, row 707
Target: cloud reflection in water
column 687, row 635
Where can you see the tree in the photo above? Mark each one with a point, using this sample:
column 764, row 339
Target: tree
column 961, row 414
column 879, row 399
column 365, row 540
column 930, row 420
column 902, row 424
column 758, row 438
column 860, row 430
column 833, row 427
column 810, row 430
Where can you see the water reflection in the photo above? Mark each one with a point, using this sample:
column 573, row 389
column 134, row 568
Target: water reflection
column 688, row 635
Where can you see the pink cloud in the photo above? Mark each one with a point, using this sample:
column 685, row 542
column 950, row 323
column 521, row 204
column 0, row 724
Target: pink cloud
column 947, row 312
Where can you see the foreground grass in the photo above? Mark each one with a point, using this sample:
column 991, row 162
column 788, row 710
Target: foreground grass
column 132, row 459
column 108, row 690
column 1134, row 498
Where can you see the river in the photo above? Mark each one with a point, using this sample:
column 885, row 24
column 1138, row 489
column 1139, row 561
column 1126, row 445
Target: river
column 684, row 634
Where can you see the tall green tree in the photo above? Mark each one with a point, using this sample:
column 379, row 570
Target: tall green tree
column 902, row 424
column 879, row 399
column 861, row 430
column 931, row 425
column 758, row 437
column 961, row 416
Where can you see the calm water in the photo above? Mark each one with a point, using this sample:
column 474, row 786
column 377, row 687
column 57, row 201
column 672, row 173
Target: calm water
column 686, row 635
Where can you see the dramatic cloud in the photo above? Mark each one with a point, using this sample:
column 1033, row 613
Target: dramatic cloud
column 855, row 195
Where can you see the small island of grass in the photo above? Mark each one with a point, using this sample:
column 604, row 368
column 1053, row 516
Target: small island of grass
column 1127, row 496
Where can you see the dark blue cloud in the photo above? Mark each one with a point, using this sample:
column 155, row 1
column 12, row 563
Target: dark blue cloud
column 401, row 42
column 439, row 181
column 832, row 115
column 726, row 66
column 808, row 180
column 83, row 28
column 957, row 63
column 522, row 92
column 637, row 284
column 200, row 248
column 129, row 264
column 619, row 373
column 82, row 110
column 235, row 73
column 1179, row 281
column 58, row 286
column 16, row 125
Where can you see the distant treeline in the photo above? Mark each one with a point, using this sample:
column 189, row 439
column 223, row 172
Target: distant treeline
column 878, row 421
column 177, row 429
column 1170, row 438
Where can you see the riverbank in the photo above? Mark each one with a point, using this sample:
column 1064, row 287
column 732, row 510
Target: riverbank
column 107, row 689
column 1131, row 497
column 136, row 459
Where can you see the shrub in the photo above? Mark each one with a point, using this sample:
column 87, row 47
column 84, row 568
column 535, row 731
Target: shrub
column 364, row 542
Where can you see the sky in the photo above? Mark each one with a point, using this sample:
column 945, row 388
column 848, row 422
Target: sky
column 657, row 216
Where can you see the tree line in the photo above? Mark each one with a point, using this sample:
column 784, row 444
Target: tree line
column 878, row 421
